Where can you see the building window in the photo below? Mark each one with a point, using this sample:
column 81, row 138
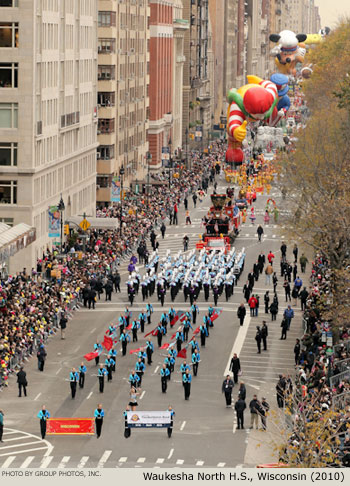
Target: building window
column 8, row 3
column 8, row 154
column 106, row 72
column 105, row 152
column 8, row 192
column 106, row 46
column 103, row 181
column 8, row 115
column 8, row 221
column 8, row 34
column 106, row 125
column 106, row 99
column 106, row 19
column 8, row 75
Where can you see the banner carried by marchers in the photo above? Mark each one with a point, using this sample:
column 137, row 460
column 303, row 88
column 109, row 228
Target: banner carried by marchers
column 149, row 419
column 70, row 426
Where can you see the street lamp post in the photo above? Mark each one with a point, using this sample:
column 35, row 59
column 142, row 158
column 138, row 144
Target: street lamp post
column 61, row 208
column 170, row 162
column 149, row 160
column 121, row 173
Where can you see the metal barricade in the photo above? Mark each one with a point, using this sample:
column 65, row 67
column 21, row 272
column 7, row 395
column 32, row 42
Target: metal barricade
column 339, row 402
column 345, row 345
column 335, row 380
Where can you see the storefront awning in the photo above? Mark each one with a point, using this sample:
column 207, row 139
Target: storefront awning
column 14, row 239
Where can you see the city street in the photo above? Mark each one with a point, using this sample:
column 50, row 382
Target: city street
column 205, row 431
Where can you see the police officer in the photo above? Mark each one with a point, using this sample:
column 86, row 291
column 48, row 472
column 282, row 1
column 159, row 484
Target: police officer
column 99, row 414
column 73, row 378
column 124, row 338
column 195, row 360
column 186, row 381
column 101, row 377
column 43, row 415
column 82, row 371
column 164, row 377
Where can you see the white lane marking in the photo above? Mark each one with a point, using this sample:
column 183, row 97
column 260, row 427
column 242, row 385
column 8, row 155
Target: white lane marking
column 155, row 371
column 8, row 461
column 199, row 463
column 93, row 330
column 26, row 462
column 239, row 341
column 141, row 459
column 89, row 395
column 180, row 461
column 254, row 386
column 221, row 464
column 23, row 452
column 123, row 459
column 76, row 349
column 38, row 395
column 63, row 462
column 170, row 453
column 12, row 432
column 273, row 236
column 46, row 462
column 104, row 458
column 183, row 425
column 160, row 460
column 59, row 369
column 82, row 462
column 142, row 394
column 17, row 445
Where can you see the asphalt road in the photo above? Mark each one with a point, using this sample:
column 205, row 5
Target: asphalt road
column 205, row 432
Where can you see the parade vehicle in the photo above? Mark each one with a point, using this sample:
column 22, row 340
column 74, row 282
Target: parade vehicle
column 221, row 224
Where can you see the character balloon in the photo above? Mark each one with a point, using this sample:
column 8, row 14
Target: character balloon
column 255, row 101
column 281, row 82
column 289, row 51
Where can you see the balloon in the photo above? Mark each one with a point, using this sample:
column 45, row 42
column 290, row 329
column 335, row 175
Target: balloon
column 289, row 51
column 252, row 102
column 3, row 365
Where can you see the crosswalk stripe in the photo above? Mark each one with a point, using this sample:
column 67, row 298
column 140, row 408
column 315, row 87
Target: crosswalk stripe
column 160, row 460
column 104, row 458
column 82, row 462
column 141, row 459
column 180, row 461
column 63, row 463
column 8, row 461
column 221, row 464
column 199, row 463
column 26, row 462
column 45, row 462
column 123, row 459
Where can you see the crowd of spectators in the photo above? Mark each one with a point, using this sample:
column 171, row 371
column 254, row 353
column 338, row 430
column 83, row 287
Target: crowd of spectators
column 322, row 383
column 31, row 303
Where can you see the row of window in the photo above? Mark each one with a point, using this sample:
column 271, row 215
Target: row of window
column 8, row 192
column 8, row 34
column 8, row 3
column 8, row 75
column 8, row 115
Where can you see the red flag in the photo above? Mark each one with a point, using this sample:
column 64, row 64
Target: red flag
column 129, row 327
column 215, row 315
column 132, row 351
column 107, row 343
column 154, row 333
column 165, row 346
column 172, row 337
column 182, row 353
column 196, row 331
column 91, row 356
column 174, row 321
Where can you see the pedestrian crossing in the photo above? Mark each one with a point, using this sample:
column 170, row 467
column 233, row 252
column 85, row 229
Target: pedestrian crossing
column 105, row 461
column 17, row 442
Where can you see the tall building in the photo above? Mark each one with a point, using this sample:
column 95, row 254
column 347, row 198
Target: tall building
column 196, row 82
column 123, row 97
column 48, row 113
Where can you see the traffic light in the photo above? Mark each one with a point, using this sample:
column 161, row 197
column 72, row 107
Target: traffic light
column 66, row 229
